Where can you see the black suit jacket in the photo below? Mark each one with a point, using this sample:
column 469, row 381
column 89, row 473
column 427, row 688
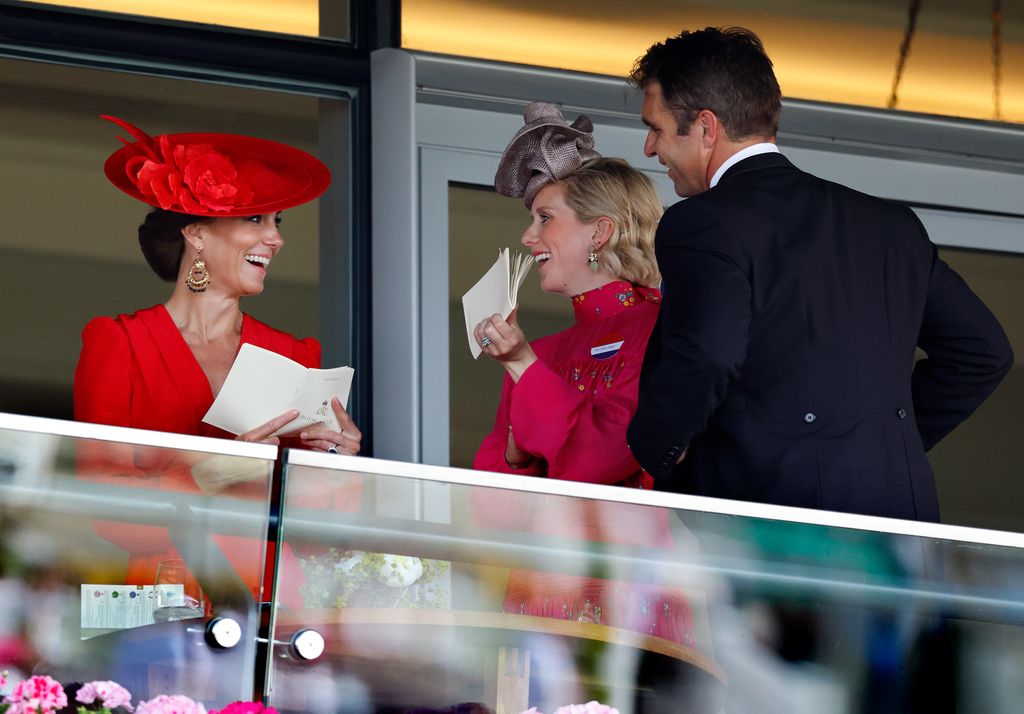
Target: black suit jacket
column 784, row 355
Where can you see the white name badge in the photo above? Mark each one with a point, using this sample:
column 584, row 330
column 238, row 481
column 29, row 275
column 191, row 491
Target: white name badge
column 602, row 350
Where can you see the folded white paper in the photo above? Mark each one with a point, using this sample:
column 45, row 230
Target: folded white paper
column 496, row 292
column 263, row 384
column 116, row 607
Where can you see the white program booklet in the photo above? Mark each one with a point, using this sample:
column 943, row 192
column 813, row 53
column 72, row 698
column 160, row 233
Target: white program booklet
column 496, row 292
column 118, row 607
column 263, row 384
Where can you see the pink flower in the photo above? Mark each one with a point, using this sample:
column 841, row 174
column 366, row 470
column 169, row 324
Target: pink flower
column 3, row 679
column 245, row 708
column 37, row 695
column 110, row 695
column 174, row 704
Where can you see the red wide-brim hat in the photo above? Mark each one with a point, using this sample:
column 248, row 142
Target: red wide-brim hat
column 206, row 174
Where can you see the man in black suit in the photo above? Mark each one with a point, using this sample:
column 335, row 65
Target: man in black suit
column 782, row 368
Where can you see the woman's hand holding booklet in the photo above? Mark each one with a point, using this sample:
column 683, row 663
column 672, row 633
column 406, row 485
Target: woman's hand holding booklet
column 263, row 384
column 496, row 292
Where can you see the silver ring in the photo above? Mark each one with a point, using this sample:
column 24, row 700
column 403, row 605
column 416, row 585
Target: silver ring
column 484, row 341
column 333, row 449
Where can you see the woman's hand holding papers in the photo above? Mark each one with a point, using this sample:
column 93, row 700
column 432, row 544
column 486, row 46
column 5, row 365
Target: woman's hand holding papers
column 504, row 341
column 262, row 433
column 346, row 441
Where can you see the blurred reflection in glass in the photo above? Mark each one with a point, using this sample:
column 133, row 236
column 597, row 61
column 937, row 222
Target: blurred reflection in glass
column 179, row 596
column 601, row 598
column 169, row 474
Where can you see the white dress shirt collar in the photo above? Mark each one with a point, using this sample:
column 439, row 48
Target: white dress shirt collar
column 745, row 153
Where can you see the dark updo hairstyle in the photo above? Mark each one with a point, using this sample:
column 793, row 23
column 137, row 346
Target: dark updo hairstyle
column 162, row 242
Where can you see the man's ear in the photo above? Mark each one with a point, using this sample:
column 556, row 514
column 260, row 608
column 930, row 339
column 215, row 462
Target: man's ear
column 711, row 128
column 193, row 235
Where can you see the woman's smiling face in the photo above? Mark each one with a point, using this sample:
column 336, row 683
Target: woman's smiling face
column 560, row 244
column 238, row 252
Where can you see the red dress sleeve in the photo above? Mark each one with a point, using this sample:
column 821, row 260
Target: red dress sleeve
column 103, row 389
column 574, row 435
column 580, row 434
column 103, row 395
column 491, row 454
column 308, row 352
column 493, row 508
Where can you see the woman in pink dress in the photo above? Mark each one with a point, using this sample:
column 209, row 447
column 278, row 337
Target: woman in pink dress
column 568, row 397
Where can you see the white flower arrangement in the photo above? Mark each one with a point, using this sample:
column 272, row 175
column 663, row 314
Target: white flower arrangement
column 354, row 578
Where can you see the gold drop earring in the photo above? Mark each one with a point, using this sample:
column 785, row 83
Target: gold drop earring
column 198, row 278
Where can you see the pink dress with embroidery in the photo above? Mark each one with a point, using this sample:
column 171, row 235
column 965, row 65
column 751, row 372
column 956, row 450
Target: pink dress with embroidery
column 570, row 409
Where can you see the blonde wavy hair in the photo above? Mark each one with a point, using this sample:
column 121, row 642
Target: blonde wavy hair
column 612, row 188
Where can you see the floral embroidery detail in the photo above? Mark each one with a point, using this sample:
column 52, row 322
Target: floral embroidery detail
column 586, row 377
column 611, row 299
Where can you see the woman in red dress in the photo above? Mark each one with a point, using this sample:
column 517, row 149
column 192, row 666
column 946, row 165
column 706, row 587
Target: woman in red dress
column 213, row 232
column 568, row 397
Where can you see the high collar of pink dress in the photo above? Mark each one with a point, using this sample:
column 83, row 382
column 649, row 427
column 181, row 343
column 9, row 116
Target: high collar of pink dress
column 611, row 299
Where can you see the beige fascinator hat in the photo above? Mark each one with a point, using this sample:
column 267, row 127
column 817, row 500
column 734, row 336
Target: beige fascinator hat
column 546, row 149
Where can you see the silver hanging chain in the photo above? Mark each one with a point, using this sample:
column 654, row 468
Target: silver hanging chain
column 997, row 59
column 908, row 37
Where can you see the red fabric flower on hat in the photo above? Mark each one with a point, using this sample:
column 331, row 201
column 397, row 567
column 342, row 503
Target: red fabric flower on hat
column 210, row 174
column 211, row 177
column 194, row 178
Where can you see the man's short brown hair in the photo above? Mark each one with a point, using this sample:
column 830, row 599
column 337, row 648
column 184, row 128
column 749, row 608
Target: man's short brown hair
column 725, row 70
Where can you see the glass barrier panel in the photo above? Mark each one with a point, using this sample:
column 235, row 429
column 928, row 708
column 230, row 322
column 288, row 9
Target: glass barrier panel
column 429, row 589
column 131, row 556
